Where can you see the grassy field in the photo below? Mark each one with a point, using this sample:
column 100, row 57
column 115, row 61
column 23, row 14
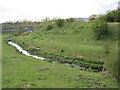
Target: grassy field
column 72, row 40
column 19, row 70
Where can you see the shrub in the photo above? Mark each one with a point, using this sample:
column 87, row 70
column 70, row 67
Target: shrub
column 69, row 20
column 100, row 28
column 62, row 50
column 49, row 27
column 59, row 22
column 18, row 32
column 111, row 16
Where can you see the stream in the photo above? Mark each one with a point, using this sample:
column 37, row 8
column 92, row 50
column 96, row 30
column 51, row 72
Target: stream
column 24, row 51
column 34, row 56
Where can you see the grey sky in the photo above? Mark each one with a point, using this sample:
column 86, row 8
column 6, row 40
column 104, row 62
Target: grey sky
column 13, row 10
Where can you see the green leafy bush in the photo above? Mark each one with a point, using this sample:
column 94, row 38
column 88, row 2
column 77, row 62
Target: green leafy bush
column 49, row 27
column 69, row 20
column 100, row 28
column 18, row 32
column 59, row 22
column 111, row 16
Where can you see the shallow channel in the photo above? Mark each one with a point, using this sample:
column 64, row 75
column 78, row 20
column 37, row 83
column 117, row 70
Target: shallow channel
column 19, row 48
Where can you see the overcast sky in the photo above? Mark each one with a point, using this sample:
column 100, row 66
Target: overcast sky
column 13, row 10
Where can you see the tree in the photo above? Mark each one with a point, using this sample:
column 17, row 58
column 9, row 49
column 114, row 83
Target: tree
column 111, row 16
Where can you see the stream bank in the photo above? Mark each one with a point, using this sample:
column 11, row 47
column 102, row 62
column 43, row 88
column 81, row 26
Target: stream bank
column 74, row 62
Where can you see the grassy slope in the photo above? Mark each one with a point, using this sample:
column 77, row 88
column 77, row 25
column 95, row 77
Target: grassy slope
column 75, row 39
column 19, row 69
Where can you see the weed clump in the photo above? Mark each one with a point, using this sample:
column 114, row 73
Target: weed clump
column 62, row 50
column 111, row 63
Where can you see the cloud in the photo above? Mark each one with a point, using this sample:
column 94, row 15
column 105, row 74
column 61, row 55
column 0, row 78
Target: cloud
column 4, row 9
column 105, row 5
column 39, row 9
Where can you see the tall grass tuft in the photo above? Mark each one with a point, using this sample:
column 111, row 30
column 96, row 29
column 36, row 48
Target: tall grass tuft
column 111, row 62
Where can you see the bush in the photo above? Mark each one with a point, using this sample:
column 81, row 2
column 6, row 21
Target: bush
column 111, row 16
column 69, row 20
column 18, row 32
column 49, row 27
column 59, row 22
column 100, row 28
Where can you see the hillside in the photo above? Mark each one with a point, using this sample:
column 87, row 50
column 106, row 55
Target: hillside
column 73, row 40
column 73, row 43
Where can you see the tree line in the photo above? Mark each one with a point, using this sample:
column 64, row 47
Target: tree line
column 110, row 16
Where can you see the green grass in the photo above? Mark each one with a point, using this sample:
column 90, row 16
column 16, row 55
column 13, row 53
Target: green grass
column 72, row 40
column 19, row 69
column 0, row 60
column 76, row 39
